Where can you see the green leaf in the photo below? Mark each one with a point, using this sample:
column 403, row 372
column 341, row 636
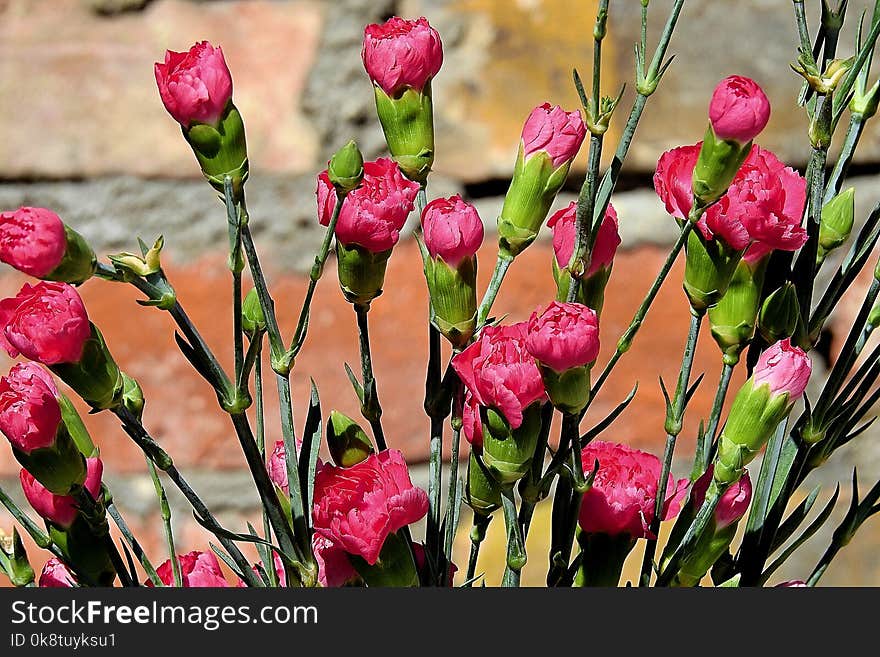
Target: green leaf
column 358, row 388
column 794, row 520
column 308, row 459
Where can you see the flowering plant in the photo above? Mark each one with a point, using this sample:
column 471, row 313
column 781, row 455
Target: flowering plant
column 756, row 235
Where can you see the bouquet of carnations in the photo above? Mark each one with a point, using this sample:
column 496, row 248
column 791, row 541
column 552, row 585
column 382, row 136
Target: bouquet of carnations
column 756, row 237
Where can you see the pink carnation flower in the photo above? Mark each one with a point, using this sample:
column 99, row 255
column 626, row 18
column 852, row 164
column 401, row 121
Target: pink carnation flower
column 29, row 408
column 739, row 109
column 400, row 53
column 564, row 225
column 56, row 575
column 197, row 570
column 32, row 240
column 452, row 229
column 500, row 372
column 733, row 503
column 374, row 213
column 195, row 86
column 624, row 492
column 357, row 508
column 555, row 132
column 786, row 369
column 564, row 336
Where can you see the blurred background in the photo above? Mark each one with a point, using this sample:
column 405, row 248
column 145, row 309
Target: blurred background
column 84, row 133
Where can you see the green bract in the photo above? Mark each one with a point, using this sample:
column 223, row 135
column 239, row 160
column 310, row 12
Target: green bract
column 408, row 123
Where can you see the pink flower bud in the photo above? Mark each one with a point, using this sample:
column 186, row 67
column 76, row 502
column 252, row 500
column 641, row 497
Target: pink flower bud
column 278, row 467
column 46, row 322
column 56, row 575
column 29, row 409
column 733, row 503
column 739, row 109
column 452, row 229
column 60, row 509
column 500, row 372
column 197, row 570
column 195, row 85
column 624, row 491
column 358, row 507
column 374, row 213
column 334, row 568
column 762, row 207
column 564, row 336
column 471, row 423
column 401, row 53
column 32, row 240
column 555, row 132
column 784, row 368
column 792, row 584
column 564, row 224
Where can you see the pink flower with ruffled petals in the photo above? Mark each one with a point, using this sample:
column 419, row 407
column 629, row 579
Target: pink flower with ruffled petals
column 733, row 503
column 197, row 570
column 452, row 229
column 334, row 568
column 400, row 53
column 56, row 575
column 500, row 372
column 358, row 507
column 374, row 213
column 29, row 408
column 46, row 322
column 739, row 109
column 564, row 224
column 278, row 467
column 624, row 491
column 786, row 369
column 195, row 85
column 552, row 130
column 32, row 240
column 471, row 423
column 60, row 509
column 762, row 207
column 564, row 336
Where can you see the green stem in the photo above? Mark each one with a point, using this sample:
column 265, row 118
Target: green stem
column 847, row 153
column 371, row 408
column 674, row 417
column 132, row 542
column 435, row 464
column 478, row 534
column 692, row 536
column 704, row 448
column 165, row 512
column 452, row 515
column 276, row 342
column 625, row 341
column 502, row 263
column 584, row 233
column 516, row 549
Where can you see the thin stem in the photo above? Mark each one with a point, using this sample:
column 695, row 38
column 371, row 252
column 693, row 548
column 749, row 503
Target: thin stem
column 570, row 426
column 165, row 512
column 675, row 414
column 701, row 462
column 516, row 549
column 800, row 16
column 437, row 414
column 847, row 153
column 237, row 332
column 457, row 411
column 626, row 339
column 268, row 305
column 478, row 534
column 502, row 263
column 371, row 409
column 580, row 257
column 132, row 542
column 692, row 536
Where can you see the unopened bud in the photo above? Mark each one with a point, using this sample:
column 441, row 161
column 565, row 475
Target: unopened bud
column 348, row 443
column 780, row 314
column 346, row 168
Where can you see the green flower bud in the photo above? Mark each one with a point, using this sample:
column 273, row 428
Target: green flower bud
column 717, row 165
column 346, row 168
column 132, row 396
column 222, row 150
column 453, row 292
column 60, row 468
column 507, row 452
column 408, row 123
column 481, row 492
column 837, row 223
column 396, row 566
column 569, row 391
column 733, row 318
column 252, row 318
column 780, row 314
column 709, row 268
column 864, row 103
column 19, row 568
column 532, row 190
column 348, row 443
column 95, row 377
column 361, row 272
column 141, row 265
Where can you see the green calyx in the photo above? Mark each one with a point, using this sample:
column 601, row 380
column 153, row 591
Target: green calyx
column 753, row 418
column 532, row 190
column 348, row 443
column 780, row 314
column 346, row 168
column 733, row 318
column 591, row 291
column 253, row 320
column 481, row 492
column 132, row 396
column 508, row 452
column 838, row 217
column 408, row 123
column 84, row 546
column 568, row 391
column 361, row 272
column 603, row 558
column 453, row 292
column 60, row 468
column 221, row 150
column 717, row 165
column 709, row 548
column 709, row 268
column 396, row 566
column 79, row 262
column 95, row 377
